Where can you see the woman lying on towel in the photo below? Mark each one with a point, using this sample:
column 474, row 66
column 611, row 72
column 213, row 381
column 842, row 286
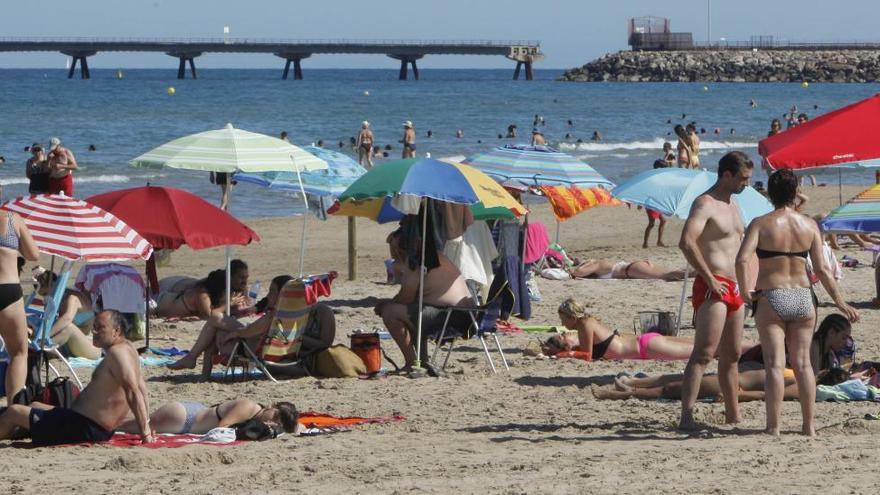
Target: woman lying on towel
column 751, row 386
column 193, row 417
column 72, row 329
column 604, row 268
column 596, row 341
column 220, row 332
column 184, row 297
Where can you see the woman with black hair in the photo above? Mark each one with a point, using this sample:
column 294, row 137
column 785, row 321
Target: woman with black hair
column 193, row 417
column 183, row 297
column 783, row 303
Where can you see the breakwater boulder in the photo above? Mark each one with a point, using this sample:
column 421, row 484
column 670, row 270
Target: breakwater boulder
column 856, row 66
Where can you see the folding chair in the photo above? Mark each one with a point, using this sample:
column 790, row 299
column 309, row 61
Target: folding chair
column 278, row 350
column 475, row 315
column 42, row 322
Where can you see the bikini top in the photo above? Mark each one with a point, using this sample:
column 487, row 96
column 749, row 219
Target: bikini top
column 764, row 253
column 600, row 348
column 10, row 239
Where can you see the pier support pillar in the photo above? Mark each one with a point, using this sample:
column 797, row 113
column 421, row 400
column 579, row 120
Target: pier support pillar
column 530, row 74
column 525, row 56
column 83, row 64
column 404, row 61
column 183, row 58
column 296, row 58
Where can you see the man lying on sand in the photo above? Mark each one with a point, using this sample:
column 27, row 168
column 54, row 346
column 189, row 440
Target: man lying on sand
column 188, row 416
column 604, row 268
column 117, row 388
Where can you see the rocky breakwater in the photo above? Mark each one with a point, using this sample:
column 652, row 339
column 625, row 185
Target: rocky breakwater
column 838, row 66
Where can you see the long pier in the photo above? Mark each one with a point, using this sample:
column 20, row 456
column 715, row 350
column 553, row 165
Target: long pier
column 524, row 53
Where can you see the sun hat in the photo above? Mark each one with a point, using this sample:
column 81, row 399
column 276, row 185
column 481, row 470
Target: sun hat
column 54, row 143
column 407, row 124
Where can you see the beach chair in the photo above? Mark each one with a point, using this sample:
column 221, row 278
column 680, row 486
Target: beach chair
column 41, row 320
column 480, row 322
column 278, row 351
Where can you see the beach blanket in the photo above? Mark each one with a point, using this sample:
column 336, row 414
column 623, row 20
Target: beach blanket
column 852, row 390
column 80, row 362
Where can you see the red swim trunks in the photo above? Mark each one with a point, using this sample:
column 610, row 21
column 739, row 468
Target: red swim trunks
column 63, row 184
column 702, row 293
column 653, row 214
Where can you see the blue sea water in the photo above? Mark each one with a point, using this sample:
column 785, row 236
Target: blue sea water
column 126, row 117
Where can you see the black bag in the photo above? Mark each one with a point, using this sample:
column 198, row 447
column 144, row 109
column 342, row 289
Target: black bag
column 33, row 382
column 60, row 392
column 254, row 429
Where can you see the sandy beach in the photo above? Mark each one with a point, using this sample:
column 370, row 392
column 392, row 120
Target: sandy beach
column 534, row 429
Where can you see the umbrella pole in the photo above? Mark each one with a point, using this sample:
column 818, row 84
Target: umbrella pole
column 302, row 241
column 839, row 187
column 418, row 361
column 352, row 249
column 684, row 286
column 228, row 280
column 557, row 232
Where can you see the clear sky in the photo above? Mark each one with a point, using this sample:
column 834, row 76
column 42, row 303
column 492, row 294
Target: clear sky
column 572, row 32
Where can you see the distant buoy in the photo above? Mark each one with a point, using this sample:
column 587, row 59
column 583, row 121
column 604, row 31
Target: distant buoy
column 705, row 88
column 805, row 84
column 171, row 91
column 366, row 93
column 119, row 74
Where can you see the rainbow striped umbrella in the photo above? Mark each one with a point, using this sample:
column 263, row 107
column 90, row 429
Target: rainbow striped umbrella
column 73, row 229
column 859, row 215
column 537, row 166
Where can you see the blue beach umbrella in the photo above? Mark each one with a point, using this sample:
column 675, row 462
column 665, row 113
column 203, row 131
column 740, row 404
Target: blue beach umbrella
column 325, row 185
column 537, row 166
column 859, row 215
column 672, row 191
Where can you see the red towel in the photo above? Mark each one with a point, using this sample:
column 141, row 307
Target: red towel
column 318, row 286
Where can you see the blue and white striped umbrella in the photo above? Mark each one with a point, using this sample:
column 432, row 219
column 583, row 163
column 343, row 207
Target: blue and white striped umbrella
column 342, row 171
column 537, row 166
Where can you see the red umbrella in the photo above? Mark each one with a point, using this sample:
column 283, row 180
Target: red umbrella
column 848, row 137
column 74, row 230
column 169, row 218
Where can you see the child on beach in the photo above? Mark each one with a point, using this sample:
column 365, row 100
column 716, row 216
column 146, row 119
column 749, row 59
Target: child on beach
column 654, row 215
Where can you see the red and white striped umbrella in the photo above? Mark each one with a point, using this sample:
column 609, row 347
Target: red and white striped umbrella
column 74, row 230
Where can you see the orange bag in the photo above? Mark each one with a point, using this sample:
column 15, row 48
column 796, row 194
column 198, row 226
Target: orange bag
column 369, row 349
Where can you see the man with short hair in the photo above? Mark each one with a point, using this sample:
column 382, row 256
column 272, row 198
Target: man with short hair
column 409, row 140
column 61, row 164
column 117, row 388
column 710, row 241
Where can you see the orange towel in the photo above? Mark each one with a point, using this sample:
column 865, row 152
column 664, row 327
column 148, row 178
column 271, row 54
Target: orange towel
column 569, row 201
column 312, row 419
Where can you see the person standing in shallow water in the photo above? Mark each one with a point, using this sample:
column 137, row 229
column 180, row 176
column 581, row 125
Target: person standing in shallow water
column 409, row 140
column 365, row 145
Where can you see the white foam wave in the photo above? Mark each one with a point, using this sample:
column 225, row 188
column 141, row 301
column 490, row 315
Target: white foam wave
column 655, row 144
column 109, row 179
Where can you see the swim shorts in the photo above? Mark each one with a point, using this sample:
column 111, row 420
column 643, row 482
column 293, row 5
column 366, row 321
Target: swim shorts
column 433, row 319
column 653, row 214
column 702, row 293
column 61, row 426
column 62, row 184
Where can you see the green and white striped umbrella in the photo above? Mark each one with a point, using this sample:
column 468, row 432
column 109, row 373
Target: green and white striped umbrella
column 230, row 150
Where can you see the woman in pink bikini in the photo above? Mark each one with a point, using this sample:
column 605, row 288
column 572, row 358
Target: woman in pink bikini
column 598, row 341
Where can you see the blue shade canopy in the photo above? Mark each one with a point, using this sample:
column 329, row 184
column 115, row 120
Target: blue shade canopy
column 342, row 171
column 537, row 166
column 671, row 191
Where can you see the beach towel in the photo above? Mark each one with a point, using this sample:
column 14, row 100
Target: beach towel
column 328, row 422
column 537, row 241
column 80, row 362
column 569, row 201
column 852, row 390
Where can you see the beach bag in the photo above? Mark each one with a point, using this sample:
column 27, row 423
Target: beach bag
column 60, row 392
column 662, row 322
column 255, row 430
column 369, row 349
column 339, row 361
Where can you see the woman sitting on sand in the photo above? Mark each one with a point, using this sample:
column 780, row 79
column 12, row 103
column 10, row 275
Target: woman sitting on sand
column 220, row 333
column 193, row 417
column 74, row 323
column 604, row 268
column 596, row 341
column 184, row 297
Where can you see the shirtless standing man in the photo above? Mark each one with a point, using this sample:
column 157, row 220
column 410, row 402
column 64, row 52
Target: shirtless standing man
column 710, row 241
column 61, row 166
column 117, row 388
column 444, row 286
column 409, row 140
